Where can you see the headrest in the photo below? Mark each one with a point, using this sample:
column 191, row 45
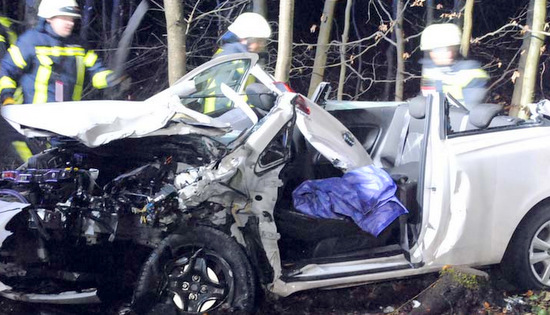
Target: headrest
column 260, row 96
column 482, row 114
column 417, row 106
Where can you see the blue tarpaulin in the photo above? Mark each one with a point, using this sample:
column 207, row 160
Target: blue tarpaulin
column 366, row 195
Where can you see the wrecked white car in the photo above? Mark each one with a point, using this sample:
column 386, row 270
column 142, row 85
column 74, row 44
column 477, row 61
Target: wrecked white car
column 192, row 212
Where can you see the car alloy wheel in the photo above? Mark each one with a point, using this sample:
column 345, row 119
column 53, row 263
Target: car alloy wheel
column 539, row 254
column 197, row 281
column 201, row 270
column 526, row 262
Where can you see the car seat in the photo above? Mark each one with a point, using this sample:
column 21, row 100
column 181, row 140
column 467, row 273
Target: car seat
column 481, row 116
column 261, row 98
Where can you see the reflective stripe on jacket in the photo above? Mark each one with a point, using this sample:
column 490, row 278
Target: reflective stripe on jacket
column 6, row 25
column 217, row 101
column 42, row 62
column 464, row 80
column 7, row 36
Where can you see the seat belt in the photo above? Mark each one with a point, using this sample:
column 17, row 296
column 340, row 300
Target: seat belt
column 404, row 218
column 403, row 138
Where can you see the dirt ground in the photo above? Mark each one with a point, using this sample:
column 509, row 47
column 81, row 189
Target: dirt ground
column 393, row 297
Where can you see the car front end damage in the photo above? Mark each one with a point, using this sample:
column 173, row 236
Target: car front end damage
column 65, row 227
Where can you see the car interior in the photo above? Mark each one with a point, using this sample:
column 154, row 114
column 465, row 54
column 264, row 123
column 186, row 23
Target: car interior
column 398, row 145
column 481, row 117
column 398, row 141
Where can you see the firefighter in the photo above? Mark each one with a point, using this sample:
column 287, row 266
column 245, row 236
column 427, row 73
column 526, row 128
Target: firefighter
column 446, row 70
column 48, row 62
column 13, row 146
column 248, row 33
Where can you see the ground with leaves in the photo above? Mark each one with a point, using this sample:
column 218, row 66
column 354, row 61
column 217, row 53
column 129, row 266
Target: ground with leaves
column 402, row 296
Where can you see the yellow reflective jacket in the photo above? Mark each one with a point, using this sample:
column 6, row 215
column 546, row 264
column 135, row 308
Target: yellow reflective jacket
column 50, row 68
column 464, row 80
column 7, row 36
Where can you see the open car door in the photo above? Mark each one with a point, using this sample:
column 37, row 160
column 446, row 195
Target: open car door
column 329, row 136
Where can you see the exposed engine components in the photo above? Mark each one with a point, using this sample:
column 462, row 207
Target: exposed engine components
column 152, row 209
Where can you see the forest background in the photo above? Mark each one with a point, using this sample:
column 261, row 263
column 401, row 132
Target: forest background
column 367, row 49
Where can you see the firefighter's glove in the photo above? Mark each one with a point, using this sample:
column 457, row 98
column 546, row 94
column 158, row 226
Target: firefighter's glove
column 8, row 101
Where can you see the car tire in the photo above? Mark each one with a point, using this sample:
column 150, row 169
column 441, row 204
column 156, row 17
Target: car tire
column 201, row 268
column 527, row 258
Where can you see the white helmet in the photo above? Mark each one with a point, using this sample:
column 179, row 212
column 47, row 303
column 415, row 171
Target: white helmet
column 250, row 25
column 440, row 35
column 50, row 8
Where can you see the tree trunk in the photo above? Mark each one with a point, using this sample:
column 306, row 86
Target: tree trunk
column 429, row 12
column 175, row 28
column 453, row 285
column 87, row 12
column 457, row 9
column 343, row 50
column 359, row 59
column 389, row 85
column 399, row 40
column 31, row 11
column 529, row 60
column 322, row 46
column 260, row 7
column 115, row 22
column 467, row 28
column 284, row 55
column 104, row 21
column 132, row 7
column 390, row 71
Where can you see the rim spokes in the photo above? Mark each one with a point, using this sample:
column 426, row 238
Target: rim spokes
column 538, row 257
column 540, row 244
column 197, row 284
column 546, row 274
column 539, row 254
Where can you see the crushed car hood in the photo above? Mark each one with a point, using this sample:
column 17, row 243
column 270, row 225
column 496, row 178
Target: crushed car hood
column 95, row 123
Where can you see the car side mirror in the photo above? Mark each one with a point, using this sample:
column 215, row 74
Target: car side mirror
column 320, row 96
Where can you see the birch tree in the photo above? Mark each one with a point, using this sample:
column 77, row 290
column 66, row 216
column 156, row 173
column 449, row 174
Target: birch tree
column 400, row 47
column 467, row 28
column 104, row 20
column 343, row 50
column 175, row 28
column 284, row 55
column 322, row 45
column 429, row 12
column 31, row 11
column 115, row 21
column 260, row 7
column 529, row 61
column 87, row 12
